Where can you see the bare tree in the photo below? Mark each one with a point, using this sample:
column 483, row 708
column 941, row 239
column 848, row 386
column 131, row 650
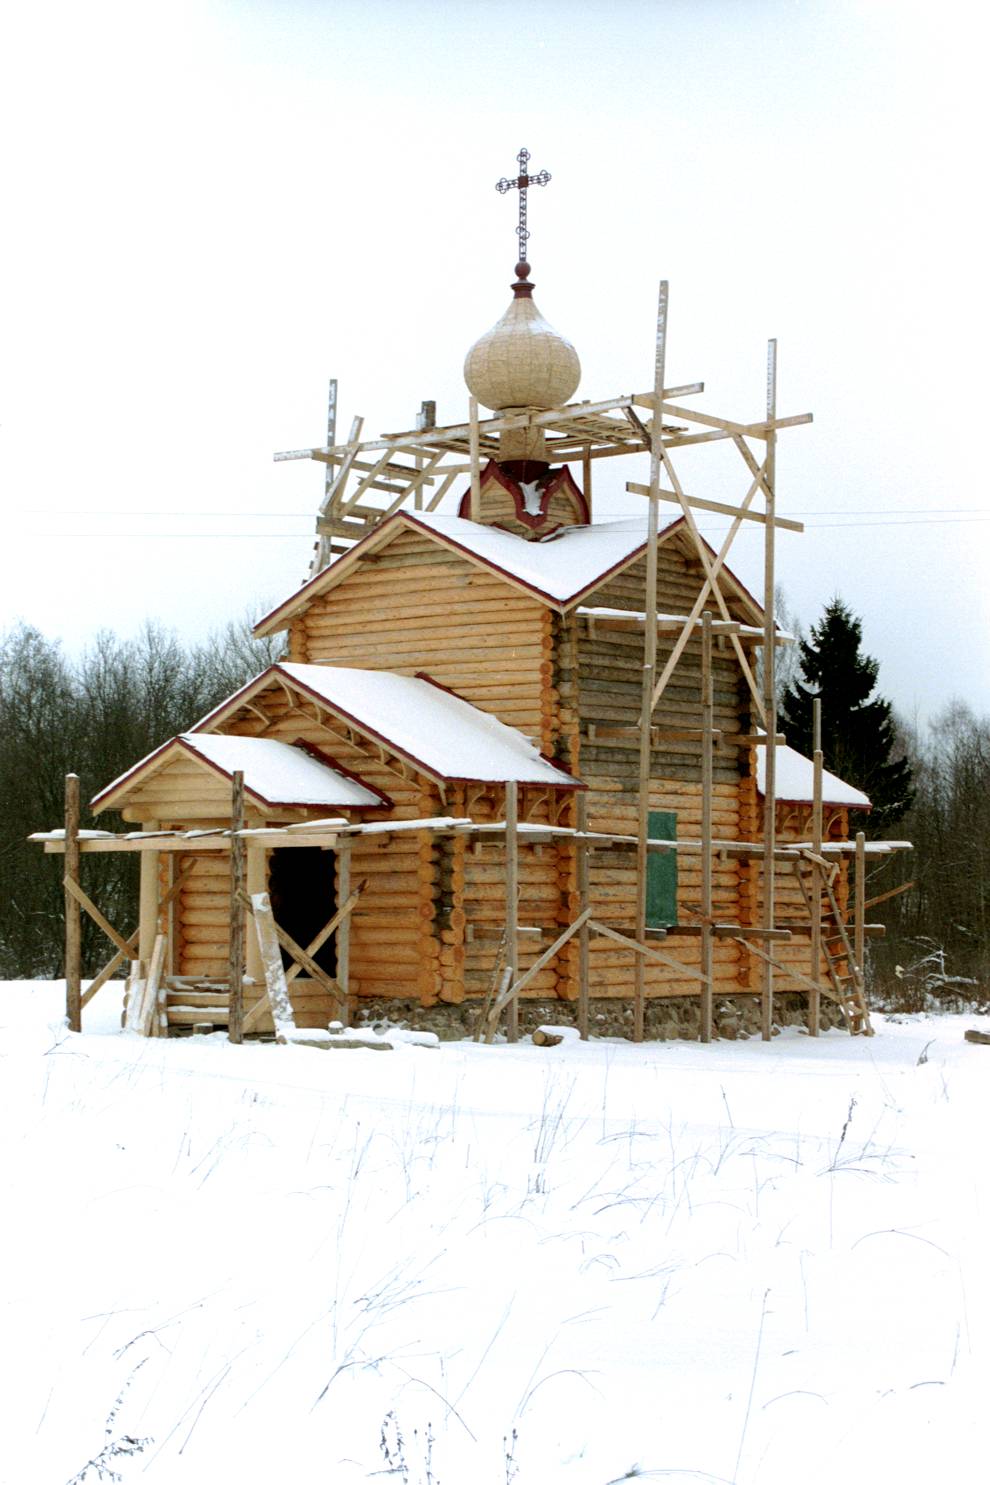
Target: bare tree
column 94, row 716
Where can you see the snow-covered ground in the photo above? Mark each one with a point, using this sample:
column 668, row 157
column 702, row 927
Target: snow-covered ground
column 743, row 1262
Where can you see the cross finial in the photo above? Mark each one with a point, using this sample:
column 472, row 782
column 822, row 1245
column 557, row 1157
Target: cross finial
column 521, row 184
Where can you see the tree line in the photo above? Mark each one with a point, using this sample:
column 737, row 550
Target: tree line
column 929, row 785
column 95, row 715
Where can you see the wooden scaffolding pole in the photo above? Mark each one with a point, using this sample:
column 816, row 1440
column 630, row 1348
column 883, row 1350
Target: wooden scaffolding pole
column 649, row 658
column 256, row 878
column 473, row 437
column 769, row 688
column 583, row 905
column 148, row 900
column 814, row 996
column 344, row 932
column 859, row 921
column 73, row 921
column 235, row 1021
column 512, row 902
column 707, row 716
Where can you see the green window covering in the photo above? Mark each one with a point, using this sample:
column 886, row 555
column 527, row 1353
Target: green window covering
column 661, row 872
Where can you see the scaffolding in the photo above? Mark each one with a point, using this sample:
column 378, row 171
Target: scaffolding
column 367, row 481
column 418, row 467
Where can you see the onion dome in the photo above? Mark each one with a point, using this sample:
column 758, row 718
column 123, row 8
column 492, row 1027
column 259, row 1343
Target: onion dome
column 522, row 361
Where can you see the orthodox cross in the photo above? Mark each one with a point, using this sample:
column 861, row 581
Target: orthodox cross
column 522, row 183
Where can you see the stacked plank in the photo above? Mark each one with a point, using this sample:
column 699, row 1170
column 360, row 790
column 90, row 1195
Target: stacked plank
column 144, row 994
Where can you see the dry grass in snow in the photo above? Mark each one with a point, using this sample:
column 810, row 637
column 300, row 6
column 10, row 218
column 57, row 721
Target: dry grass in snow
column 737, row 1263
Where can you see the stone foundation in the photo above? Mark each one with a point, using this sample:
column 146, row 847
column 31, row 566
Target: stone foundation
column 677, row 1017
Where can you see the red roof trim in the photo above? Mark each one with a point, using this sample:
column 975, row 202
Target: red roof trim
column 348, row 773
column 145, row 766
column 332, row 567
column 562, row 481
column 392, row 525
column 119, row 783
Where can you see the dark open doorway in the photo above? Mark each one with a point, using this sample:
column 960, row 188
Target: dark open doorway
column 304, row 898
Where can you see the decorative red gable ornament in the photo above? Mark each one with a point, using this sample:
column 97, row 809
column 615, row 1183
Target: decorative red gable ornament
column 528, row 497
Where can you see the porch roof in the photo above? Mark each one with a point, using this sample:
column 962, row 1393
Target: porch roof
column 437, row 731
column 276, row 774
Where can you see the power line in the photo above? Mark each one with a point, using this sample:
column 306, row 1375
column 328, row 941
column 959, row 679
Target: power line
column 296, row 535
column 932, row 510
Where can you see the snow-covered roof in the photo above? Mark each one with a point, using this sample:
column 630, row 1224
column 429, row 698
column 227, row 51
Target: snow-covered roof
column 435, row 730
column 275, row 773
column 558, row 569
column 794, row 781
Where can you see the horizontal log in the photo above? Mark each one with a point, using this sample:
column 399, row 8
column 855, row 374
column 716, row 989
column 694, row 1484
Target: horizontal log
column 405, row 621
column 378, row 598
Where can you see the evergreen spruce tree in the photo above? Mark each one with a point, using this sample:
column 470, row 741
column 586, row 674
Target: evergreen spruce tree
column 858, row 734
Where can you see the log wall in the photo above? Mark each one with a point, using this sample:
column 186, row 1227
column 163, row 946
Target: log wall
column 600, row 685
column 199, row 791
column 415, row 606
column 394, row 948
column 679, row 577
column 471, row 900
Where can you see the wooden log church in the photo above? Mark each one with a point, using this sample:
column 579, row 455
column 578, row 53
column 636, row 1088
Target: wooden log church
column 516, row 759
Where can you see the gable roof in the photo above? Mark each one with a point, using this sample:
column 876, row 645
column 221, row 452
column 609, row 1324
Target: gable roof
column 558, row 570
column 438, row 732
column 794, row 781
column 276, row 774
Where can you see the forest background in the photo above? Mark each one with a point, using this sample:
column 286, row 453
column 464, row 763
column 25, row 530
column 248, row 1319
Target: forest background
column 96, row 714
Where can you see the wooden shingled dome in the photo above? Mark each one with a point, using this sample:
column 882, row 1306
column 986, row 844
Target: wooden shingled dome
column 522, row 361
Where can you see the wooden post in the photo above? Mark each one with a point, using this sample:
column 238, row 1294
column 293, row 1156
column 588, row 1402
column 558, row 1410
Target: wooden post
column 235, row 1003
column 322, row 553
column 649, row 657
column 73, row 921
column 257, row 881
column 586, row 477
column 427, row 418
column 707, row 719
column 473, row 442
column 769, row 691
column 859, row 940
column 344, row 931
column 583, row 903
column 814, row 996
column 148, row 901
column 512, row 901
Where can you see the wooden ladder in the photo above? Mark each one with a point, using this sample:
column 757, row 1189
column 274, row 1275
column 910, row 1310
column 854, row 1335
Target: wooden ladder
column 844, row 974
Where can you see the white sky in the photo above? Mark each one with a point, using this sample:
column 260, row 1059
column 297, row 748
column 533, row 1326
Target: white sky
column 213, row 208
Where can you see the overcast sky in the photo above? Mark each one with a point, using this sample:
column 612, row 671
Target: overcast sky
column 212, row 208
